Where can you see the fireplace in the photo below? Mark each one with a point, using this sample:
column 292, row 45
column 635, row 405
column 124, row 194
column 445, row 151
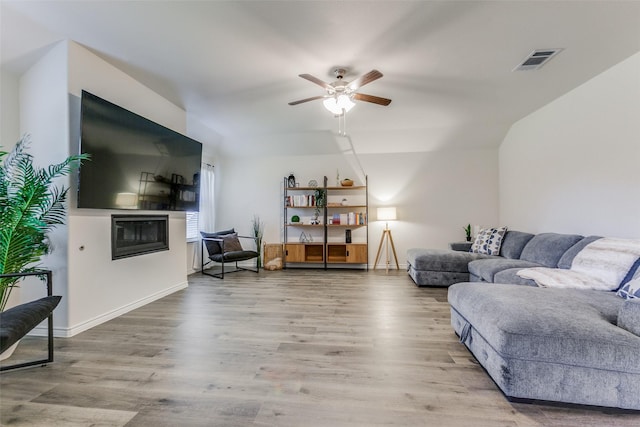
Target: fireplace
column 133, row 235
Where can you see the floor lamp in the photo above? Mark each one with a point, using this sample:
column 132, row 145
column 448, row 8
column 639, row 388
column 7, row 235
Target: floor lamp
column 386, row 214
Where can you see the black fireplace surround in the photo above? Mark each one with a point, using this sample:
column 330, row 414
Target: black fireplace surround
column 133, row 235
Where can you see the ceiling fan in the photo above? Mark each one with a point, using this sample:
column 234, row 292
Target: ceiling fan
column 341, row 94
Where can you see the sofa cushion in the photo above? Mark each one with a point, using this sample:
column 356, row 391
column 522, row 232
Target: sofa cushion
column 547, row 248
column 510, row 275
column 513, row 243
column 567, row 258
column 486, row 269
column 488, row 241
column 629, row 316
column 441, row 259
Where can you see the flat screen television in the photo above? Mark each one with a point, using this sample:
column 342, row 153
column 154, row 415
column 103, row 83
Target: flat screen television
column 135, row 162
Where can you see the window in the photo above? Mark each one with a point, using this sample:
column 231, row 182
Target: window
column 192, row 225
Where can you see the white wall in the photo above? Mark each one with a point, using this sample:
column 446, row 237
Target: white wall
column 94, row 287
column 436, row 193
column 573, row 165
column 9, row 110
column 44, row 115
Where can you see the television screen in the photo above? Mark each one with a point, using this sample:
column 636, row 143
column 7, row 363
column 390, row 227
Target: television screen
column 135, row 163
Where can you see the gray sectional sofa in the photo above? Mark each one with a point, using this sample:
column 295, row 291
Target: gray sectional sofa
column 539, row 344
column 441, row 267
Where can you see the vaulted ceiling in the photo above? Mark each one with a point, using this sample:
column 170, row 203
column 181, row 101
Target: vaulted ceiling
column 234, row 65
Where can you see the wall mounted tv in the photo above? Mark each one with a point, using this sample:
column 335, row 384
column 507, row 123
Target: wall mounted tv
column 135, row 163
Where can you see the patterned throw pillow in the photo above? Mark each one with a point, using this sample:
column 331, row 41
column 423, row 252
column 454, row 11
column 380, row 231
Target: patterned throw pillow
column 488, row 241
column 631, row 290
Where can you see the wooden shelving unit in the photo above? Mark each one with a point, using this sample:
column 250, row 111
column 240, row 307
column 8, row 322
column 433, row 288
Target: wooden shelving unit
column 325, row 243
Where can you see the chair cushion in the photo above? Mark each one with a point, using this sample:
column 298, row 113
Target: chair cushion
column 231, row 243
column 17, row 321
column 214, row 247
column 547, row 248
column 234, row 256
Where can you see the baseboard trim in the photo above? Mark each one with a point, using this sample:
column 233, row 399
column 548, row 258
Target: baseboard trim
column 61, row 332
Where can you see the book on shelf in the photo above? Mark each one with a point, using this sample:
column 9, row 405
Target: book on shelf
column 301, row 200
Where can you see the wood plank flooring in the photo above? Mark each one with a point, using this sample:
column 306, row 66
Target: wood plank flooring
column 282, row 348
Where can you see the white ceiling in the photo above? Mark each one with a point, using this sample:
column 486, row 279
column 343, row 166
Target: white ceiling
column 234, row 64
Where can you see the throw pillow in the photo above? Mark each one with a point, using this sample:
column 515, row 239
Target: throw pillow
column 631, row 290
column 488, row 241
column 631, row 274
column 231, row 243
column 629, row 316
column 213, row 247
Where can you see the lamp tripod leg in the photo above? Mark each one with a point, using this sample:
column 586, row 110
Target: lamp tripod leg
column 375, row 264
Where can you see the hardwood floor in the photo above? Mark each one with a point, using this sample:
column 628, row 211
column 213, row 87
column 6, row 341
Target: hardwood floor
column 282, row 348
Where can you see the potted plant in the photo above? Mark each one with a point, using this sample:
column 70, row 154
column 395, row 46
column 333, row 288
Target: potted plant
column 257, row 228
column 467, row 231
column 30, row 206
column 320, row 197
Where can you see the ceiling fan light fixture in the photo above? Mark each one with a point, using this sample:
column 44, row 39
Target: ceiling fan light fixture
column 338, row 104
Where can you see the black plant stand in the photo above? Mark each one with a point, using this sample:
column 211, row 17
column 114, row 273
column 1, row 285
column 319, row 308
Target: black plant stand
column 49, row 359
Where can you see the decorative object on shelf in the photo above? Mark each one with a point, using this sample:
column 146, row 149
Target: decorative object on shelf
column 347, row 236
column 387, row 214
column 291, row 181
column 305, row 238
column 257, row 228
column 467, row 231
column 344, row 202
column 321, row 198
column 31, row 205
column 313, row 183
column 346, row 182
column 295, row 218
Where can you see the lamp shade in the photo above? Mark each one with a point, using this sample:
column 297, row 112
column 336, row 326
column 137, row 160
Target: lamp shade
column 387, row 213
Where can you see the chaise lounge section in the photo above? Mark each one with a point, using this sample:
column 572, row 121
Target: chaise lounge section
column 562, row 345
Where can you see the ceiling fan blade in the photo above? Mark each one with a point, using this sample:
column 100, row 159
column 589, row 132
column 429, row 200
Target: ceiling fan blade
column 364, row 79
column 317, row 81
column 313, row 98
column 371, row 98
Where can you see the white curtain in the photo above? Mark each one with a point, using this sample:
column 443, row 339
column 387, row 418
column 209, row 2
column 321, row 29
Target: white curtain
column 207, row 213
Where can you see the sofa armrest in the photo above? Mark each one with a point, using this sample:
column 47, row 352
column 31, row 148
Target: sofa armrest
column 461, row 246
column 629, row 316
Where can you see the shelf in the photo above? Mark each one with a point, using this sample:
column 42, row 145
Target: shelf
column 328, row 248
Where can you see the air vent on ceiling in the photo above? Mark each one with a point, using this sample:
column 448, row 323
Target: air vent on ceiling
column 537, row 59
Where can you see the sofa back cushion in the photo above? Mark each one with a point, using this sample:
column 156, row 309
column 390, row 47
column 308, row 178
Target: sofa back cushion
column 570, row 254
column 547, row 248
column 513, row 243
